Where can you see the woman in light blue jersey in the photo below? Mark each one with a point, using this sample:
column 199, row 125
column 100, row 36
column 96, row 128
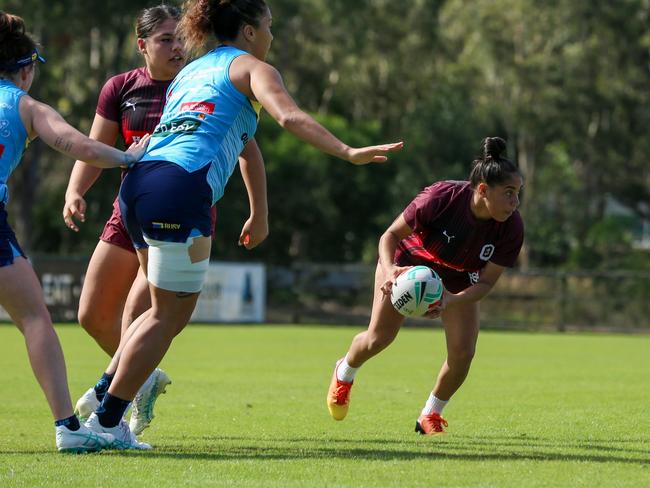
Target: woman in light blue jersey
column 209, row 119
column 22, row 119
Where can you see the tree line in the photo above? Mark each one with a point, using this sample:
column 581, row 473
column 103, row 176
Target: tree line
column 565, row 82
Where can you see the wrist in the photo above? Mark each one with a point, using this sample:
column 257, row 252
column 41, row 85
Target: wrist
column 259, row 213
column 346, row 153
column 129, row 159
column 72, row 194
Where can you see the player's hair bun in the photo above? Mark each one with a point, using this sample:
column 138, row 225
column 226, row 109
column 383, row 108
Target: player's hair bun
column 493, row 147
column 11, row 27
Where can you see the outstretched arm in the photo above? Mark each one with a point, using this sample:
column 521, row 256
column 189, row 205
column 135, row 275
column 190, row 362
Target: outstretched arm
column 265, row 84
column 45, row 122
column 251, row 164
column 84, row 175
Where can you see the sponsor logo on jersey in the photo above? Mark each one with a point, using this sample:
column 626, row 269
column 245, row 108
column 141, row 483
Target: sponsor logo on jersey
column 184, row 125
column 131, row 104
column 165, row 225
column 131, row 136
column 5, row 128
column 486, row 252
column 203, row 107
column 473, row 277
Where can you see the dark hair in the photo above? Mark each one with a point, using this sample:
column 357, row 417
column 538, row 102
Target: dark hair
column 15, row 43
column 491, row 167
column 150, row 18
column 222, row 18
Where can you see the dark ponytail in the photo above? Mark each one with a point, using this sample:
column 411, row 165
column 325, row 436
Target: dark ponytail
column 150, row 18
column 491, row 167
column 15, row 43
column 221, row 18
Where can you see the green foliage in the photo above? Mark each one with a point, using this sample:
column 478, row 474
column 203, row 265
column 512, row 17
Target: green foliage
column 564, row 81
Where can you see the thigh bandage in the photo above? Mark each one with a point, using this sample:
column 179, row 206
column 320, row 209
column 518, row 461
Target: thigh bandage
column 178, row 266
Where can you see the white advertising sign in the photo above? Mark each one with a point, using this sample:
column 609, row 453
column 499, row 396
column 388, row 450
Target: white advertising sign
column 232, row 293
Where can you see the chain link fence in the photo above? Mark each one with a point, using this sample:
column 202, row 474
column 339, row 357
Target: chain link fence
column 342, row 294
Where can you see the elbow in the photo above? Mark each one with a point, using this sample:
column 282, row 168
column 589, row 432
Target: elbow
column 289, row 120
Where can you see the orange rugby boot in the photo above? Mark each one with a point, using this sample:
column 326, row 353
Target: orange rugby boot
column 338, row 396
column 432, row 424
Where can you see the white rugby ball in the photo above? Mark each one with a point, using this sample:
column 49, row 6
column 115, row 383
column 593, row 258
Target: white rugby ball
column 416, row 291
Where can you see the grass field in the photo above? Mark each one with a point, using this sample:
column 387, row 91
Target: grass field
column 247, row 408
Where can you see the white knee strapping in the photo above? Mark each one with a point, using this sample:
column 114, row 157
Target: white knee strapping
column 170, row 266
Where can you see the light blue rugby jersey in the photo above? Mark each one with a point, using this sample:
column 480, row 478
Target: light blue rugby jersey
column 206, row 120
column 13, row 135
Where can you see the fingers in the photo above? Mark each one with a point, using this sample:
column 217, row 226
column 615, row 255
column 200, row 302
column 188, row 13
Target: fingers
column 74, row 210
column 434, row 311
column 387, row 287
column 70, row 224
column 80, row 209
column 245, row 240
column 395, row 146
column 144, row 142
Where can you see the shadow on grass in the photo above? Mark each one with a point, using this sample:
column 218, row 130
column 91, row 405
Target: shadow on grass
column 452, row 447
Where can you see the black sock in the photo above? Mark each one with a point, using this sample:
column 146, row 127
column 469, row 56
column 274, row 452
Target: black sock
column 72, row 423
column 111, row 410
column 102, row 385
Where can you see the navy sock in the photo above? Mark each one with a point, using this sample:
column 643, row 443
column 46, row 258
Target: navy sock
column 102, row 385
column 71, row 423
column 111, row 410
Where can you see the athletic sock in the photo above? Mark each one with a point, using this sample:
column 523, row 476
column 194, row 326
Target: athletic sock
column 72, row 423
column 345, row 372
column 434, row 404
column 102, row 385
column 111, row 410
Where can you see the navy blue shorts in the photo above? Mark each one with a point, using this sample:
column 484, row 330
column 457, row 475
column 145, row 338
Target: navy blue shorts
column 9, row 247
column 165, row 202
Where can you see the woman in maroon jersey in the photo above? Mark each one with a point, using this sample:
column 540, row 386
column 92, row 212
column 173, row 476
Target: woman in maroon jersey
column 115, row 292
column 468, row 232
column 130, row 104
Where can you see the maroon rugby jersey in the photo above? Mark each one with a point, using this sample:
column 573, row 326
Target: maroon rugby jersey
column 450, row 239
column 134, row 101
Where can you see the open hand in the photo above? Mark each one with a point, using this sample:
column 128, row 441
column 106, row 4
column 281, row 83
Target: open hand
column 373, row 154
column 137, row 149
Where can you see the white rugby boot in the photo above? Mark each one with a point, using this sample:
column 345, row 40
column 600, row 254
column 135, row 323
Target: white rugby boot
column 86, row 405
column 142, row 413
column 123, row 437
column 82, row 440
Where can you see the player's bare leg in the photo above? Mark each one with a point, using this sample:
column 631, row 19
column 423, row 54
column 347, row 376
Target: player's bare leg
column 21, row 296
column 135, row 312
column 461, row 325
column 385, row 323
column 107, row 285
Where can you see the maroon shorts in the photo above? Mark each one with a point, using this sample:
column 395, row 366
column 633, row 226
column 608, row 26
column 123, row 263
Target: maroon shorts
column 115, row 233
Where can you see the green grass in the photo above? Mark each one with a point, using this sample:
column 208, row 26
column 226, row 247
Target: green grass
column 247, row 408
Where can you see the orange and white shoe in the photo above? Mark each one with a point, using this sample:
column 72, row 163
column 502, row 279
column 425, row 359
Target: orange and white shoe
column 432, row 424
column 338, row 396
